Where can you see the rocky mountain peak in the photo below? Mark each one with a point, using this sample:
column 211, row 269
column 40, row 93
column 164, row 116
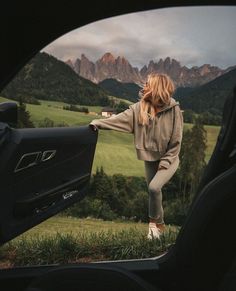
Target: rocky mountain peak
column 121, row 60
column 70, row 63
column 84, row 58
column 167, row 62
column 175, row 63
column 151, row 63
column 108, row 58
column 77, row 66
column 205, row 69
column 86, row 68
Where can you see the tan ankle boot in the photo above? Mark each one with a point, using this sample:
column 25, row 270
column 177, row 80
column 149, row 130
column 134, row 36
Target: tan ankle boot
column 161, row 227
column 153, row 231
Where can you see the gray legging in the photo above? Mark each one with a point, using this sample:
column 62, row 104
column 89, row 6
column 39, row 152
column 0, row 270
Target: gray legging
column 155, row 181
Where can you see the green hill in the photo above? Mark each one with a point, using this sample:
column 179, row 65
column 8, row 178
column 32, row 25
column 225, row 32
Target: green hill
column 209, row 97
column 127, row 91
column 48, row 78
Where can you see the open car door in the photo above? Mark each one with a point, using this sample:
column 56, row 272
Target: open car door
column 42, row 171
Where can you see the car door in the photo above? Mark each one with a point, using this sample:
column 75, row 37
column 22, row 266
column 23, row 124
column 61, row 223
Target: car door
column 42, row 171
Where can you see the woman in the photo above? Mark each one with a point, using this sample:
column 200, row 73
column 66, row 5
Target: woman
column 157, row 124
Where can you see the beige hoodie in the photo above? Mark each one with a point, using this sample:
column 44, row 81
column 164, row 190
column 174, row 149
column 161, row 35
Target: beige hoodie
column 159, row 140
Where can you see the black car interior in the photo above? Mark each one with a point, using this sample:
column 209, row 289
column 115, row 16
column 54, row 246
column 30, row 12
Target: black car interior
column 204, row 255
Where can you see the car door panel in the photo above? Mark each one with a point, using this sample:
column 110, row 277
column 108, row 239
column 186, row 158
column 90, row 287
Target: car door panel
column 43, row 170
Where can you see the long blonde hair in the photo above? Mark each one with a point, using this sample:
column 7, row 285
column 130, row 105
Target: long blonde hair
column 156, row 92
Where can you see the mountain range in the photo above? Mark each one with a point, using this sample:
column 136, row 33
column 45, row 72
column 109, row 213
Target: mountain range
column 109, row 67
column 46, row 77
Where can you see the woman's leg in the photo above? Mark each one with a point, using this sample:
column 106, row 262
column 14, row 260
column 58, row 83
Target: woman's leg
column 156, row 180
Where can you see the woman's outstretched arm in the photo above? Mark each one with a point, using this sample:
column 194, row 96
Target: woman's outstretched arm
column 120, row 122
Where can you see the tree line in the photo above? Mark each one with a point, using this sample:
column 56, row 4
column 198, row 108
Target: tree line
column 211, row 117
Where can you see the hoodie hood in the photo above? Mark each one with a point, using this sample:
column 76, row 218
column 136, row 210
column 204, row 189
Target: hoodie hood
column 173, row 103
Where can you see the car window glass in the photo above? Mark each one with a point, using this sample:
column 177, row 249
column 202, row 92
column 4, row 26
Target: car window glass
column 97, row 71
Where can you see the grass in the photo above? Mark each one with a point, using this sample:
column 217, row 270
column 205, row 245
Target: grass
column 67, row 225
column 115, row 150
column 121, row 99
column 59, row 105
column 54, row 111
column 116, row 153
column 71, row 240
column 58, row 115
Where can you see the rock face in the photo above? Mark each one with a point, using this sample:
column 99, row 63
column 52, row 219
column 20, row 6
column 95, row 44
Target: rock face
column 69, row 63
column 183, row 76
column 120, row 69
column 116, row 68
column 87, row 68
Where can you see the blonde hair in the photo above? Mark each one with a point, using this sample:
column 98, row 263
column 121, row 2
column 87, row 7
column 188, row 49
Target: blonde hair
column 156, row 92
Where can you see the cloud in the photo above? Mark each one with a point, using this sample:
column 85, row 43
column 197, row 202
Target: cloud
column 192, row 35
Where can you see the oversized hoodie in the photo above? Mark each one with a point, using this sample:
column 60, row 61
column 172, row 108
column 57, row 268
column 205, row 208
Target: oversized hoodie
column 160, row 140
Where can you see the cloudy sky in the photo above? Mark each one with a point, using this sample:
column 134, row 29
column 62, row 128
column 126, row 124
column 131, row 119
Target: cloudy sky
column 193, row 36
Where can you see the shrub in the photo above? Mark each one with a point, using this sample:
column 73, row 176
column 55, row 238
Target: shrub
column 140, row 206
column 175, row 211
column 47, row 122
column 91, row 207
column 76, row 109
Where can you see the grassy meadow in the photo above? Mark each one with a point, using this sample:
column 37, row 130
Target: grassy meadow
column 115, row 150
column 71, row 240
column 67, row 225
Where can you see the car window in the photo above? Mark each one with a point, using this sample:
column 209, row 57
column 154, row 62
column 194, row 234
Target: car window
column 97, row 72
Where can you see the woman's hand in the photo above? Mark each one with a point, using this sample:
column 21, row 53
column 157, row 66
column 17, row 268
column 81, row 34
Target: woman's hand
column 93, row 127
column 161, row 168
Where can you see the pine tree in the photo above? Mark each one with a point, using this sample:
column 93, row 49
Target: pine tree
column 101, row 185
column 23, row 116
column 192, row 157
